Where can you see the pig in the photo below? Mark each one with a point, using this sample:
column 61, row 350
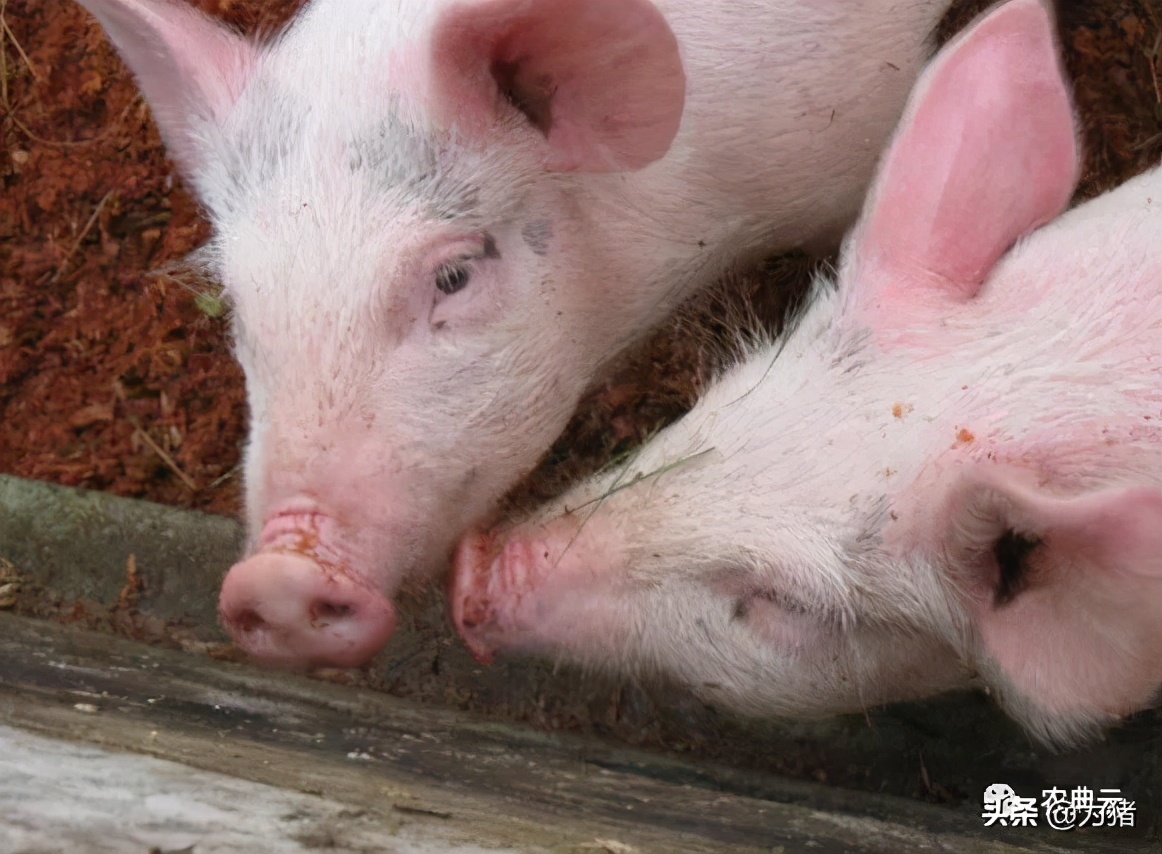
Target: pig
column 436, row 221
column 947, row 475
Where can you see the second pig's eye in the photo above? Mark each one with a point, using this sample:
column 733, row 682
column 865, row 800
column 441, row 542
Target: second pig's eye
column 453, row 276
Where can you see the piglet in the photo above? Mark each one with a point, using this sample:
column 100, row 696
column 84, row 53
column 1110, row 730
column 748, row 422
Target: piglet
column 948, row 474
column 435, row 221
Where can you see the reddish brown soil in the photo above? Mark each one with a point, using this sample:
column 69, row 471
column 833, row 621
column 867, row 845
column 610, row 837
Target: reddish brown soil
column 118, row 377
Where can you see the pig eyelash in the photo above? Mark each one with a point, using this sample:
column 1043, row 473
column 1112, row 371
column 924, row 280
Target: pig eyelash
column 453, row 276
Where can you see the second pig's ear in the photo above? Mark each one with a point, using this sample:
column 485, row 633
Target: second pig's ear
column 986, row 152
column 601, row 80
column 190, row 67
column 1065, row 594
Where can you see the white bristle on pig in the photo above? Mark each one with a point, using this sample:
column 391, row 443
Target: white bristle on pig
column 436, row 222
column 947, row 474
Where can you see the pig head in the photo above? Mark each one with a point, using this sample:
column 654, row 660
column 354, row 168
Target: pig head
column 435, row 221
column 948, row 474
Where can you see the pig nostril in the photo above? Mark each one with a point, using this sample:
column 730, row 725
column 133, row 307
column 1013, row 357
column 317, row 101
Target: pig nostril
column 249, row 621
column 284, row 609
column 328, row 612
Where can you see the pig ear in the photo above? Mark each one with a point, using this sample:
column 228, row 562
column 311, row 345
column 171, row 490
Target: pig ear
column 986, row 152
column 600, row 80
column 190, row 68
column 1068, row 600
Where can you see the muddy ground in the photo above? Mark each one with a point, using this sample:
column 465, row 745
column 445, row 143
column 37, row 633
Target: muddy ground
column 115, row 371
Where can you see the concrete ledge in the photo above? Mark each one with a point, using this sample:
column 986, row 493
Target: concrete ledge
column 155, row 572
column 78, row 544
column 392, row 760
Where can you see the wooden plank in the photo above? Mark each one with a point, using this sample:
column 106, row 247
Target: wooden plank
column 58, row 795
column 488, row 782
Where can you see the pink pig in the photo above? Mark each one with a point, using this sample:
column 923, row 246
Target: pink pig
column 948, row 474
column 435, row 221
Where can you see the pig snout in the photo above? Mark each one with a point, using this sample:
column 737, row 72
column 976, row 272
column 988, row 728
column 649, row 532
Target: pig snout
column 474, row 604
column 530, row 588
column 290, row 608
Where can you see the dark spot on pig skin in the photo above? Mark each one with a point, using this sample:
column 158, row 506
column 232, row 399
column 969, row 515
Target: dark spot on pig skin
column 490, row 250
column 1012, row 551
column 537, row 235
column 401, row 161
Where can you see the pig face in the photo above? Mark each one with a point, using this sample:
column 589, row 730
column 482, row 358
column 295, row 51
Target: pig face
column 403, row 239
column 948, row 474
column 372, row 362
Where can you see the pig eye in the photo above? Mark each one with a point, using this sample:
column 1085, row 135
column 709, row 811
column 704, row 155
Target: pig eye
column 453, row 276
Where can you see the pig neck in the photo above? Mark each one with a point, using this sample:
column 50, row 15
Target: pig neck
column 710, row 203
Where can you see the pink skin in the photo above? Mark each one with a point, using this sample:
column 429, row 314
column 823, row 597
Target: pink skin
column 315, row 591
column 296, row 603
column 946, row 475
column 435, row 221
column 521, row 594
